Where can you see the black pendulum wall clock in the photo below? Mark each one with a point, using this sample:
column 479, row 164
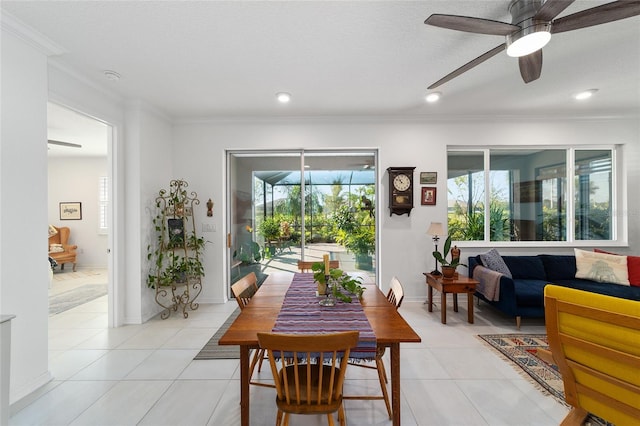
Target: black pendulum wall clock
column 400, row 190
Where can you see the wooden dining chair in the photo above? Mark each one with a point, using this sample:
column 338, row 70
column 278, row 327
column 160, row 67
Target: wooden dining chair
column 396, row 292
column 595, row 342
column 312, row 379
column 394, row 296
column 243, row 290
column 305, row 266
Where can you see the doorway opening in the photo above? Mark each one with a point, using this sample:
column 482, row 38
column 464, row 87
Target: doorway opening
column 78, row 209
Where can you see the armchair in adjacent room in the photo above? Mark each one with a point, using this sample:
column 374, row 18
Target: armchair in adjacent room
column 59, row 248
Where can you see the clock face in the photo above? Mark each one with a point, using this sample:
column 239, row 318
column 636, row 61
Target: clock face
column 401, row 182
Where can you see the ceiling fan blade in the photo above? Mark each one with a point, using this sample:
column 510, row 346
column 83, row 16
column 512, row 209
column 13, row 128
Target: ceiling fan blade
column 552, row 8
column 597, row 15
column 466, row 67
column 471, row 24
column 67, row 144
column 531, row 66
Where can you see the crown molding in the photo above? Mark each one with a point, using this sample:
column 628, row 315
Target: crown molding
column 30, row 36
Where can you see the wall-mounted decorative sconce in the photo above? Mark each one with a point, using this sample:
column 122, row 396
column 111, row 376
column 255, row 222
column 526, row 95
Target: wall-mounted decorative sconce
column 209, row 208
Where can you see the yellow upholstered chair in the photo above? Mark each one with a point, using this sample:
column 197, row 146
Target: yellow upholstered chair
column 311, row 381
column 595, row 342
column 60, row 249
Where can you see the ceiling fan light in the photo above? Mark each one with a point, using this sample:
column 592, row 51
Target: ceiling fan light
column 528, row 40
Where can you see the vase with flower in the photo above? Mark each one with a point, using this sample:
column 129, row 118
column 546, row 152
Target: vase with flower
column 448, row 266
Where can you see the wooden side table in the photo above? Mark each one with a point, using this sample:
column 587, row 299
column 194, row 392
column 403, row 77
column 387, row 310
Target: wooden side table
column 461, row 284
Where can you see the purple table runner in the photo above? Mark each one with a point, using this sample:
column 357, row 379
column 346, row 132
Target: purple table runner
column 301, row 313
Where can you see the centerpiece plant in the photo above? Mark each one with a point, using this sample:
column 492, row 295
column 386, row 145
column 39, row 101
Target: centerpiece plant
column 341, row 281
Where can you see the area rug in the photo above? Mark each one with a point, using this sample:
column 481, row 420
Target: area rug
column 212, row 350
column 521, row 350
column 76, row 297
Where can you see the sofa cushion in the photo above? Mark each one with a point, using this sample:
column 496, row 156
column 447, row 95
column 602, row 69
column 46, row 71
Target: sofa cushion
column 529, row 292
column 494, row 261
column 559, row 267
column 633, row 267
column 624, row 291
column 530, row 267
column 601, row 267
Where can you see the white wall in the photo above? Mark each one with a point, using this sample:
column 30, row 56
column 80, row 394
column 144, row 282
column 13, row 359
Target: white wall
column 77, row 179
column 404, row 246
column 24, row 275
column 155, row 139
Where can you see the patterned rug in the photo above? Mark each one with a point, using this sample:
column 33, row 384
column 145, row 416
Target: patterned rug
column 214, row 351
column 521, row 349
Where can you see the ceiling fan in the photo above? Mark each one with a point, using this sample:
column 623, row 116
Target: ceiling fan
column 531, row 28
column 67, row 144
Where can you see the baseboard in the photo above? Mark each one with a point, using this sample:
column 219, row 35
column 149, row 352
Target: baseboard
column 28, row 393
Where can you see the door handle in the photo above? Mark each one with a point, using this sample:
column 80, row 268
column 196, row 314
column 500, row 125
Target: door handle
column 229, row 240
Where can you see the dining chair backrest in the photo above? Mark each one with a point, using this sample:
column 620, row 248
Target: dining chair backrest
column 244, row 289
column 396, row 292
column 311, row 381
column 305, row 266
column 595, row 341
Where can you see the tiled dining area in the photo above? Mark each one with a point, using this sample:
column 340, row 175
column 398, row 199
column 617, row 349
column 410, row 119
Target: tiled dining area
column 145, row 375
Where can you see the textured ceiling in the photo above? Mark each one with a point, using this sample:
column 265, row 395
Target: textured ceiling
column 203, row 59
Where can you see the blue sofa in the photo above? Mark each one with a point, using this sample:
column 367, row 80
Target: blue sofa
column 523, row 295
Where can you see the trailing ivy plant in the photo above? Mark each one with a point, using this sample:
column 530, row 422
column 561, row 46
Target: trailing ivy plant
column 340, row 280
column 175, row 258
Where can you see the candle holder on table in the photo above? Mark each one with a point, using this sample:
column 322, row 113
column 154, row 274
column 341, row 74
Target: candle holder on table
column 329, row 299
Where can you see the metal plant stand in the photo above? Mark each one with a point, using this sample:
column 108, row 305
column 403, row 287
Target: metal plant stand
column 178, row 270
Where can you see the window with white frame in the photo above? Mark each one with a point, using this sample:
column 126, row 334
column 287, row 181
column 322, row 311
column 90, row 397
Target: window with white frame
column 103, row 197
column 531, row 194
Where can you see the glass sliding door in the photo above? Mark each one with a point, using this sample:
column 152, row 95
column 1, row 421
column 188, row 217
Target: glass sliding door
column 286, row 206
column 340, row 206
column 256, row 232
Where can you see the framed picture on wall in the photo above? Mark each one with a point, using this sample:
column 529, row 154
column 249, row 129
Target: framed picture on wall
column 71, row 211
column 428, row 195
column 176, row 232
column 428, row 178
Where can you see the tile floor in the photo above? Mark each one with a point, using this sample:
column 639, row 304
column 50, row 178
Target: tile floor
column 145, row 375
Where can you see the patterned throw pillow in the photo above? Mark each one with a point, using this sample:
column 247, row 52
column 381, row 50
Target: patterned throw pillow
column 601, row 267
column 494, row 261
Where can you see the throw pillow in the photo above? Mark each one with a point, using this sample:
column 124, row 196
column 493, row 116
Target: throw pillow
column 494, row 261
column 601, row 267
column 56, row 248
column 633, row 267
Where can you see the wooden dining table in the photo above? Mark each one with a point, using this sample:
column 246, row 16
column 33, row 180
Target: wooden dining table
column 260, row 315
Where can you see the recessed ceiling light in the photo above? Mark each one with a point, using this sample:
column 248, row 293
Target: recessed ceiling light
column 111, row 75
column 585, row 95
column 283, row 97
column 433, row 97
